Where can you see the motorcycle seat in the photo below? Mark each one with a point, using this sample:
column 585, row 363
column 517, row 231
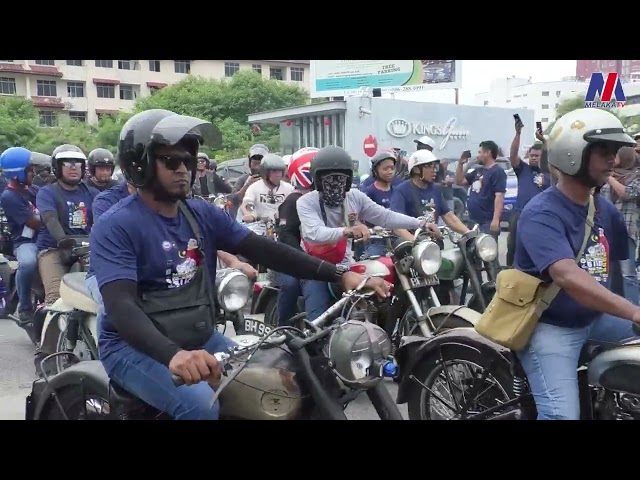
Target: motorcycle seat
column 74, row 293
column 121, row 401
column 592, row 349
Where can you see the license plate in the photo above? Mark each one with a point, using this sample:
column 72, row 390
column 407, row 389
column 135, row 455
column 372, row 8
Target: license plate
column 430, row 281
column 256, row 327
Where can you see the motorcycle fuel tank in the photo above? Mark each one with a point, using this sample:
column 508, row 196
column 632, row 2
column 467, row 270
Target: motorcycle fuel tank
column 452, row 264
column 617, row 369
column 376, row 267
column 268, row 388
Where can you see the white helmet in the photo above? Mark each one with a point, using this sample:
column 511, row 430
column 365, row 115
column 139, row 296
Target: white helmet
column 426, row 140
column 575, row 130
column 421, row 157
column 287, row 159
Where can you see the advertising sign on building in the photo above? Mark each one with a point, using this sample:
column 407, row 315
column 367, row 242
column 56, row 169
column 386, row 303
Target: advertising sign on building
column 334, row 78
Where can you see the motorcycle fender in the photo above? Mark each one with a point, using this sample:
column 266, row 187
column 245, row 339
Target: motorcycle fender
column 461, row 311
column 263, row 298
column 58, row 307
column 90, row 373
column 414, row 348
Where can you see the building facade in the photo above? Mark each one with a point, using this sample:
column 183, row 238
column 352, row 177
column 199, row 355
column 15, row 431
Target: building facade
column 86, row 89
column 629, row 70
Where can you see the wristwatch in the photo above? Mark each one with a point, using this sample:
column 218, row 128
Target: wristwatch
column 340, row 270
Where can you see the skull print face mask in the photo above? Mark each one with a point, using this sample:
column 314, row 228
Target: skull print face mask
column 334, row 189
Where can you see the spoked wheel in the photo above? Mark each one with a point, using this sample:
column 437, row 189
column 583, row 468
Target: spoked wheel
column 455, row 384
column 79, row 405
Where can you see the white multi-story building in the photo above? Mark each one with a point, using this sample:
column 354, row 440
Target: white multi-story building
column 85, row 89
column 545, row 97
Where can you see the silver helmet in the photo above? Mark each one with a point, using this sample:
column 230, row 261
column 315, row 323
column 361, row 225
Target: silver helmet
column 575, row 130
column 272, row 161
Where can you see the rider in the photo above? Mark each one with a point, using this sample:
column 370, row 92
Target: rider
column 149, row 256
column 333, row 212
column 391, row 153
column 43, row 176
column 289, row 230
column 65, row 207
column 101, row 165
column 256, row 153
column 551, row 229
column 421, row 196
column 267, row 194
column 18, row 202
column 207, row 180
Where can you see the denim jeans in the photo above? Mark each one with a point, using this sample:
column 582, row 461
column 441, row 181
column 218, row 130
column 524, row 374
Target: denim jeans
column 96, row 296
column 151, row 381
column 317, row 298
column 550, row 362
column 27, row 256
column 288, row 294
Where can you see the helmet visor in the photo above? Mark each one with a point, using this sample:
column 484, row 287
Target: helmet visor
column 614, row 135
column 172, row 129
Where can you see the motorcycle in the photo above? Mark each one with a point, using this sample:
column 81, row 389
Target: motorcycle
column 493, row 385
column 310, row 371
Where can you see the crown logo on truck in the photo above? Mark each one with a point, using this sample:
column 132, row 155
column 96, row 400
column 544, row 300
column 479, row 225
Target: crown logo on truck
column 399, row 127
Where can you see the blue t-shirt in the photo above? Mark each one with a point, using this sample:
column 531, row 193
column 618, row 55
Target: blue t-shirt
column 19, row 206
column 551, row 228
column 369, row 181
column 414, row 201
column 530, row 183
column 132, row 242
column 78, row 209
column 381, row 197
column 108, row 198
column 485, row 183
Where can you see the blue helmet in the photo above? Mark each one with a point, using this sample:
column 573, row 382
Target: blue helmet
column 14, row 161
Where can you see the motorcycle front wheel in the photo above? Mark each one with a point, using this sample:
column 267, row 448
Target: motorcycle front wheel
column 81, row 350
column 454, row 383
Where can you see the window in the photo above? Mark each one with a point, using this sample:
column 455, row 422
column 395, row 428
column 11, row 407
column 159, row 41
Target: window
column 126, row 92
column 558, row 93
column 105, row 90
column 48, row 118
column 6, row 61
column 182, row 66
column 46, row 88
column 557, row 105
column 7, row 86
column 230, row 69
column 48, row 63
column 297, row 74
column 124, row 64
column 154, row 65
column 276, row 73
column 257, row 68
column 544, row 120
column 78, row 116
column 545, row 94
column 75, row 89
column 74, row 63
column 104, row 63
column 486, row 102
column 545, row 106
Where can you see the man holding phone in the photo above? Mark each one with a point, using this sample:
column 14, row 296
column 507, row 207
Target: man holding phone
column 488, row 185
column 531, row 179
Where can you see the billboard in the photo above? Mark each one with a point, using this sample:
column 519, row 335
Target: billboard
column 337, row 78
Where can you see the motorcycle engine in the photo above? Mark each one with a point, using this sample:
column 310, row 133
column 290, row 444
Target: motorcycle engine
column 629, row 406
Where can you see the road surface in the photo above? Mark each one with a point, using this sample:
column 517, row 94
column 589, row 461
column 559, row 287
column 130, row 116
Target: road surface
column 17, row 371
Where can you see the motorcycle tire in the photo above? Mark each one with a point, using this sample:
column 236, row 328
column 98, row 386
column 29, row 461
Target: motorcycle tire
column 430, row 368
column 271, row 312
column 74, row 401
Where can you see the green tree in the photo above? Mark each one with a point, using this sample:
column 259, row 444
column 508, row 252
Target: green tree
column 227, row 103
column 18, row 122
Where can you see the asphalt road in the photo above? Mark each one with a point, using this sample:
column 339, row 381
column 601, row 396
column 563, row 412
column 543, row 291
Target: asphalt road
column 17, row 371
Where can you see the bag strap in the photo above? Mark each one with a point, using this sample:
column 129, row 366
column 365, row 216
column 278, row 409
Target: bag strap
column 61, row 205
column 554, row 289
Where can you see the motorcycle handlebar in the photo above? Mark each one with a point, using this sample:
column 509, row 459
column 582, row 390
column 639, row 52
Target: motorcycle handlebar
column 221, row 357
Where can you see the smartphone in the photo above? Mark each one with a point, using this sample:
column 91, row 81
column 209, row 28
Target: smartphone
column 516, row 117
column 466, row 154
column 539, row 127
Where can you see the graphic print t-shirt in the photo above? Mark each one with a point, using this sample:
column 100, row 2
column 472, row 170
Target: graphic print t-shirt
column 266, row 199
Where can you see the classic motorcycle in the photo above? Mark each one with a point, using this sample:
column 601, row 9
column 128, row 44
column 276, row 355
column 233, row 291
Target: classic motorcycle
column 491, row 383
column 309, row 371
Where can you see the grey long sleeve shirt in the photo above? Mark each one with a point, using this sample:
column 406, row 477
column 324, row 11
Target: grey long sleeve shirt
column 359, row 208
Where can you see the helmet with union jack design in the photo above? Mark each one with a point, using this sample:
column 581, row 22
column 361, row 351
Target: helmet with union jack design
column 299, row 165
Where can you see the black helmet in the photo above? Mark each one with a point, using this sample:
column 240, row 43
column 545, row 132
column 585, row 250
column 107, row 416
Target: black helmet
column 70, row 152
column 380, row 157
column 271, row 161
column 331, row 159
column 157, row 127
column 100, row 157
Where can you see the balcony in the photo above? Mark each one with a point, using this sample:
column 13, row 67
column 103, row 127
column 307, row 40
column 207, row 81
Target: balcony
column 47, row 102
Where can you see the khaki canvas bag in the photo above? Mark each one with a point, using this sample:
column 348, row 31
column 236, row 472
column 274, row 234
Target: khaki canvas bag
column 520, row 301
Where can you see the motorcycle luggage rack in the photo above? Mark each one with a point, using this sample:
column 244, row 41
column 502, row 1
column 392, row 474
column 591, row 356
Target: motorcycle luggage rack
column 46, row 379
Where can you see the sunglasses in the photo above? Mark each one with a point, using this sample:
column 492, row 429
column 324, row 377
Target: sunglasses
column 71, row 164
column 173, row 162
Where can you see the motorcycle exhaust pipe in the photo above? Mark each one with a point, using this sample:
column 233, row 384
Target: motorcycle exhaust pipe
column 510, row 415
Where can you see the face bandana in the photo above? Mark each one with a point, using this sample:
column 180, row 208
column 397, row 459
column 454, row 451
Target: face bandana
column 334, row 189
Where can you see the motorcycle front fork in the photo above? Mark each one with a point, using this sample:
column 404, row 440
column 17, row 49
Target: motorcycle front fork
column 425, row 329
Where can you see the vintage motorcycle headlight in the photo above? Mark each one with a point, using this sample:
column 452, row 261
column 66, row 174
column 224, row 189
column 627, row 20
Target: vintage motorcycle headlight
column 487, row 247
column 220, row 202
column 427, row 258
column 357, row 350
column 233, row 289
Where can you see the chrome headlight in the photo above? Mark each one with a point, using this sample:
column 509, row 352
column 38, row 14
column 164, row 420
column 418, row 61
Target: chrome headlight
column 427, row 258
column 487, row 247
column 233, row 289
column 220, row 202
column 356, row 350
